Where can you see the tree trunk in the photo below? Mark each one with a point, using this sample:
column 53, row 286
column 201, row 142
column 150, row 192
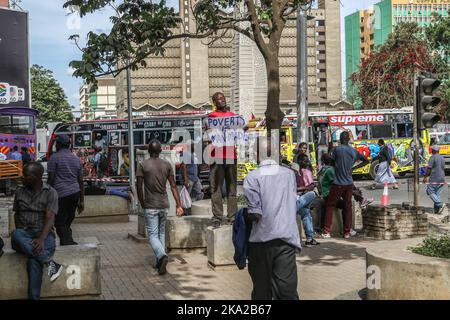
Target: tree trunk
column 274, row 115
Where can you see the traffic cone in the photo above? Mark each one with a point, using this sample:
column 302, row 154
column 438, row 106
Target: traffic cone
column 385, row 197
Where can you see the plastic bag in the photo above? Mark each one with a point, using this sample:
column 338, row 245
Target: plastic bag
column 185, row 198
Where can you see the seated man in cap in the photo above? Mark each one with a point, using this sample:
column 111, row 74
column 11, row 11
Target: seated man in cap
column 65, row 174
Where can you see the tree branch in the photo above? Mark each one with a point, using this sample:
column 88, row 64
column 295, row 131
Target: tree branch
column 257, row 32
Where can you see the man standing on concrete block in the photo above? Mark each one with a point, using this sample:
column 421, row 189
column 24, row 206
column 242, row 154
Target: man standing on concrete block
column 65, row 174
column 224, row 168
column 436, row 172
column 271, row 192
column 35, row 207
column 154, row 173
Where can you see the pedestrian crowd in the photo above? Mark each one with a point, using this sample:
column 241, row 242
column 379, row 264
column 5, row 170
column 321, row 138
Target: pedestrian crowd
column 276, row 194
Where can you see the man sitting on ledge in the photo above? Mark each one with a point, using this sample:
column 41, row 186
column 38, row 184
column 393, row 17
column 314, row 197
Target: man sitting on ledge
column 35, row 207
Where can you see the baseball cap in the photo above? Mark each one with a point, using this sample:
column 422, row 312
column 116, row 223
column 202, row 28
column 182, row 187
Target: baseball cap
column 435, row 148
column 63, row 139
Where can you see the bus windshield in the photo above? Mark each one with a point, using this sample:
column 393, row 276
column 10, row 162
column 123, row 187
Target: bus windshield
column 16, row 124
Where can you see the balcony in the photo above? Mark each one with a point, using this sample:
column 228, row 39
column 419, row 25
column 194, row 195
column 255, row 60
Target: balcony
column 321, row 57
column 320, row 38
column 320, row 29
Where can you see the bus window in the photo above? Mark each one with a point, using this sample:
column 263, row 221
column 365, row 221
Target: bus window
column 361, row 132
column 404, row 130
column 124, row 138
column 381, row 131
column 138, row 137
column 5, row 124
column 22, row 125
column 82, row 140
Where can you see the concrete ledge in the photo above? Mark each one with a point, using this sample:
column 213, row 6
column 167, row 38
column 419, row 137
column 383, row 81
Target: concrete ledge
column 187, row 232
column 402, row 274
column 220, row 248
column 103, row 209
column 80, row 278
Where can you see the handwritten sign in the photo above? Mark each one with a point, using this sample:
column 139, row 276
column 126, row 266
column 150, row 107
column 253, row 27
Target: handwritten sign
column 226, row 131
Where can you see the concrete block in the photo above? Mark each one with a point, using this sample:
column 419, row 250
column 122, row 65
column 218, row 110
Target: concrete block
column 80, row 277
column 396, row 273
column 103, row 209
column 220, row 249
column 187, row 232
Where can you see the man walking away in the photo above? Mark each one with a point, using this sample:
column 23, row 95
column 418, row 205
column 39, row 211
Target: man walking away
column 154, row 173
column 271, row 193
column 65, row 174
column 15, row 155
column 224, row 169
column 344, row 157
column 189, row 169
column 436, row 172
column 35, row 206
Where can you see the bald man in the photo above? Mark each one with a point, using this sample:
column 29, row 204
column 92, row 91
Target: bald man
column 35, row 207
column 154, row 173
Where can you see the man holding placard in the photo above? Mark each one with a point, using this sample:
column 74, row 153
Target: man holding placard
column 220, row 124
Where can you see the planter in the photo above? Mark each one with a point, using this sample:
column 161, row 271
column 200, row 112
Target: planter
column 396, row 273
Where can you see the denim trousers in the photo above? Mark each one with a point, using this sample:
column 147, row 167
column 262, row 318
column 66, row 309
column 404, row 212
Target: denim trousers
column 434, row 191
column 21, row 241
column 303, row 209
column 156, row 228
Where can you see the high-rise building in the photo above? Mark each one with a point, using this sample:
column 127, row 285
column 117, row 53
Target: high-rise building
column 365, row 29
column 99, row 103
column 191, row 70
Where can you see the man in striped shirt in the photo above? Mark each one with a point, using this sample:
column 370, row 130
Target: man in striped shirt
column 65, row 174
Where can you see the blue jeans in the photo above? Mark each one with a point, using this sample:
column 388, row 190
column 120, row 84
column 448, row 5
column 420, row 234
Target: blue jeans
column 21, row 242
column 434, row 191
column 303, row 203
column 156, row 229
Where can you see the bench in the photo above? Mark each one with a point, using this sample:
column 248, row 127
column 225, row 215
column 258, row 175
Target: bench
column 103, row 209
column 80, row 278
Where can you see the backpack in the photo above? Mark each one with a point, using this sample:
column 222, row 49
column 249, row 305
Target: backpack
column 103, row 164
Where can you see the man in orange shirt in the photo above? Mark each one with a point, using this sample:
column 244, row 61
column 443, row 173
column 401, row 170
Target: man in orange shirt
column 224, row 168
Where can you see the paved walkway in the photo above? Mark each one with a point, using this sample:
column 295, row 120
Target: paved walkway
column 334, row 270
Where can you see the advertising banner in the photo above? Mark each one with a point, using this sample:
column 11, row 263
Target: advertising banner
column 14, row 65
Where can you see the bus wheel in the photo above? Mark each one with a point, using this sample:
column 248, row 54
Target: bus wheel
column 402, row 174
column 374, row 168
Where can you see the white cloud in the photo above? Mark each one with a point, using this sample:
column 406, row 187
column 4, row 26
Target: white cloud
column 70, row 71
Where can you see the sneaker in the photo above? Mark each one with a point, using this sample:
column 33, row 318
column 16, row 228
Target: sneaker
column 366, row 202
column 54, row 270
column 441, row 210
column 347, row 236
column 353, row 233
column 162, row 266
column 311, row 243
column 216, row 224
column 326, row 235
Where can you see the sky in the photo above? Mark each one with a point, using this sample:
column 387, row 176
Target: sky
column 51, row 25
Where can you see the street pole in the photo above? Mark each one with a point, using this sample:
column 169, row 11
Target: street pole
column 416, row 142
column 302, row 82
column 131, row 138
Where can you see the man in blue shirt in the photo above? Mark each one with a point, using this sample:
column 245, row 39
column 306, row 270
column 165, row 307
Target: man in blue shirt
column 15, row 155
column 271, row 193
column 344, row 157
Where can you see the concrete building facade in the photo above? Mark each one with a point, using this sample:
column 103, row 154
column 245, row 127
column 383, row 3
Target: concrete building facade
column 100, row 103
column 365, row 29
column 191, row 70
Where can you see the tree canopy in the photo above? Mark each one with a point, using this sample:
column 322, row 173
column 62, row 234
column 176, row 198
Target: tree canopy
column 48, row 97
column 385, row 78
column 141, row 28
